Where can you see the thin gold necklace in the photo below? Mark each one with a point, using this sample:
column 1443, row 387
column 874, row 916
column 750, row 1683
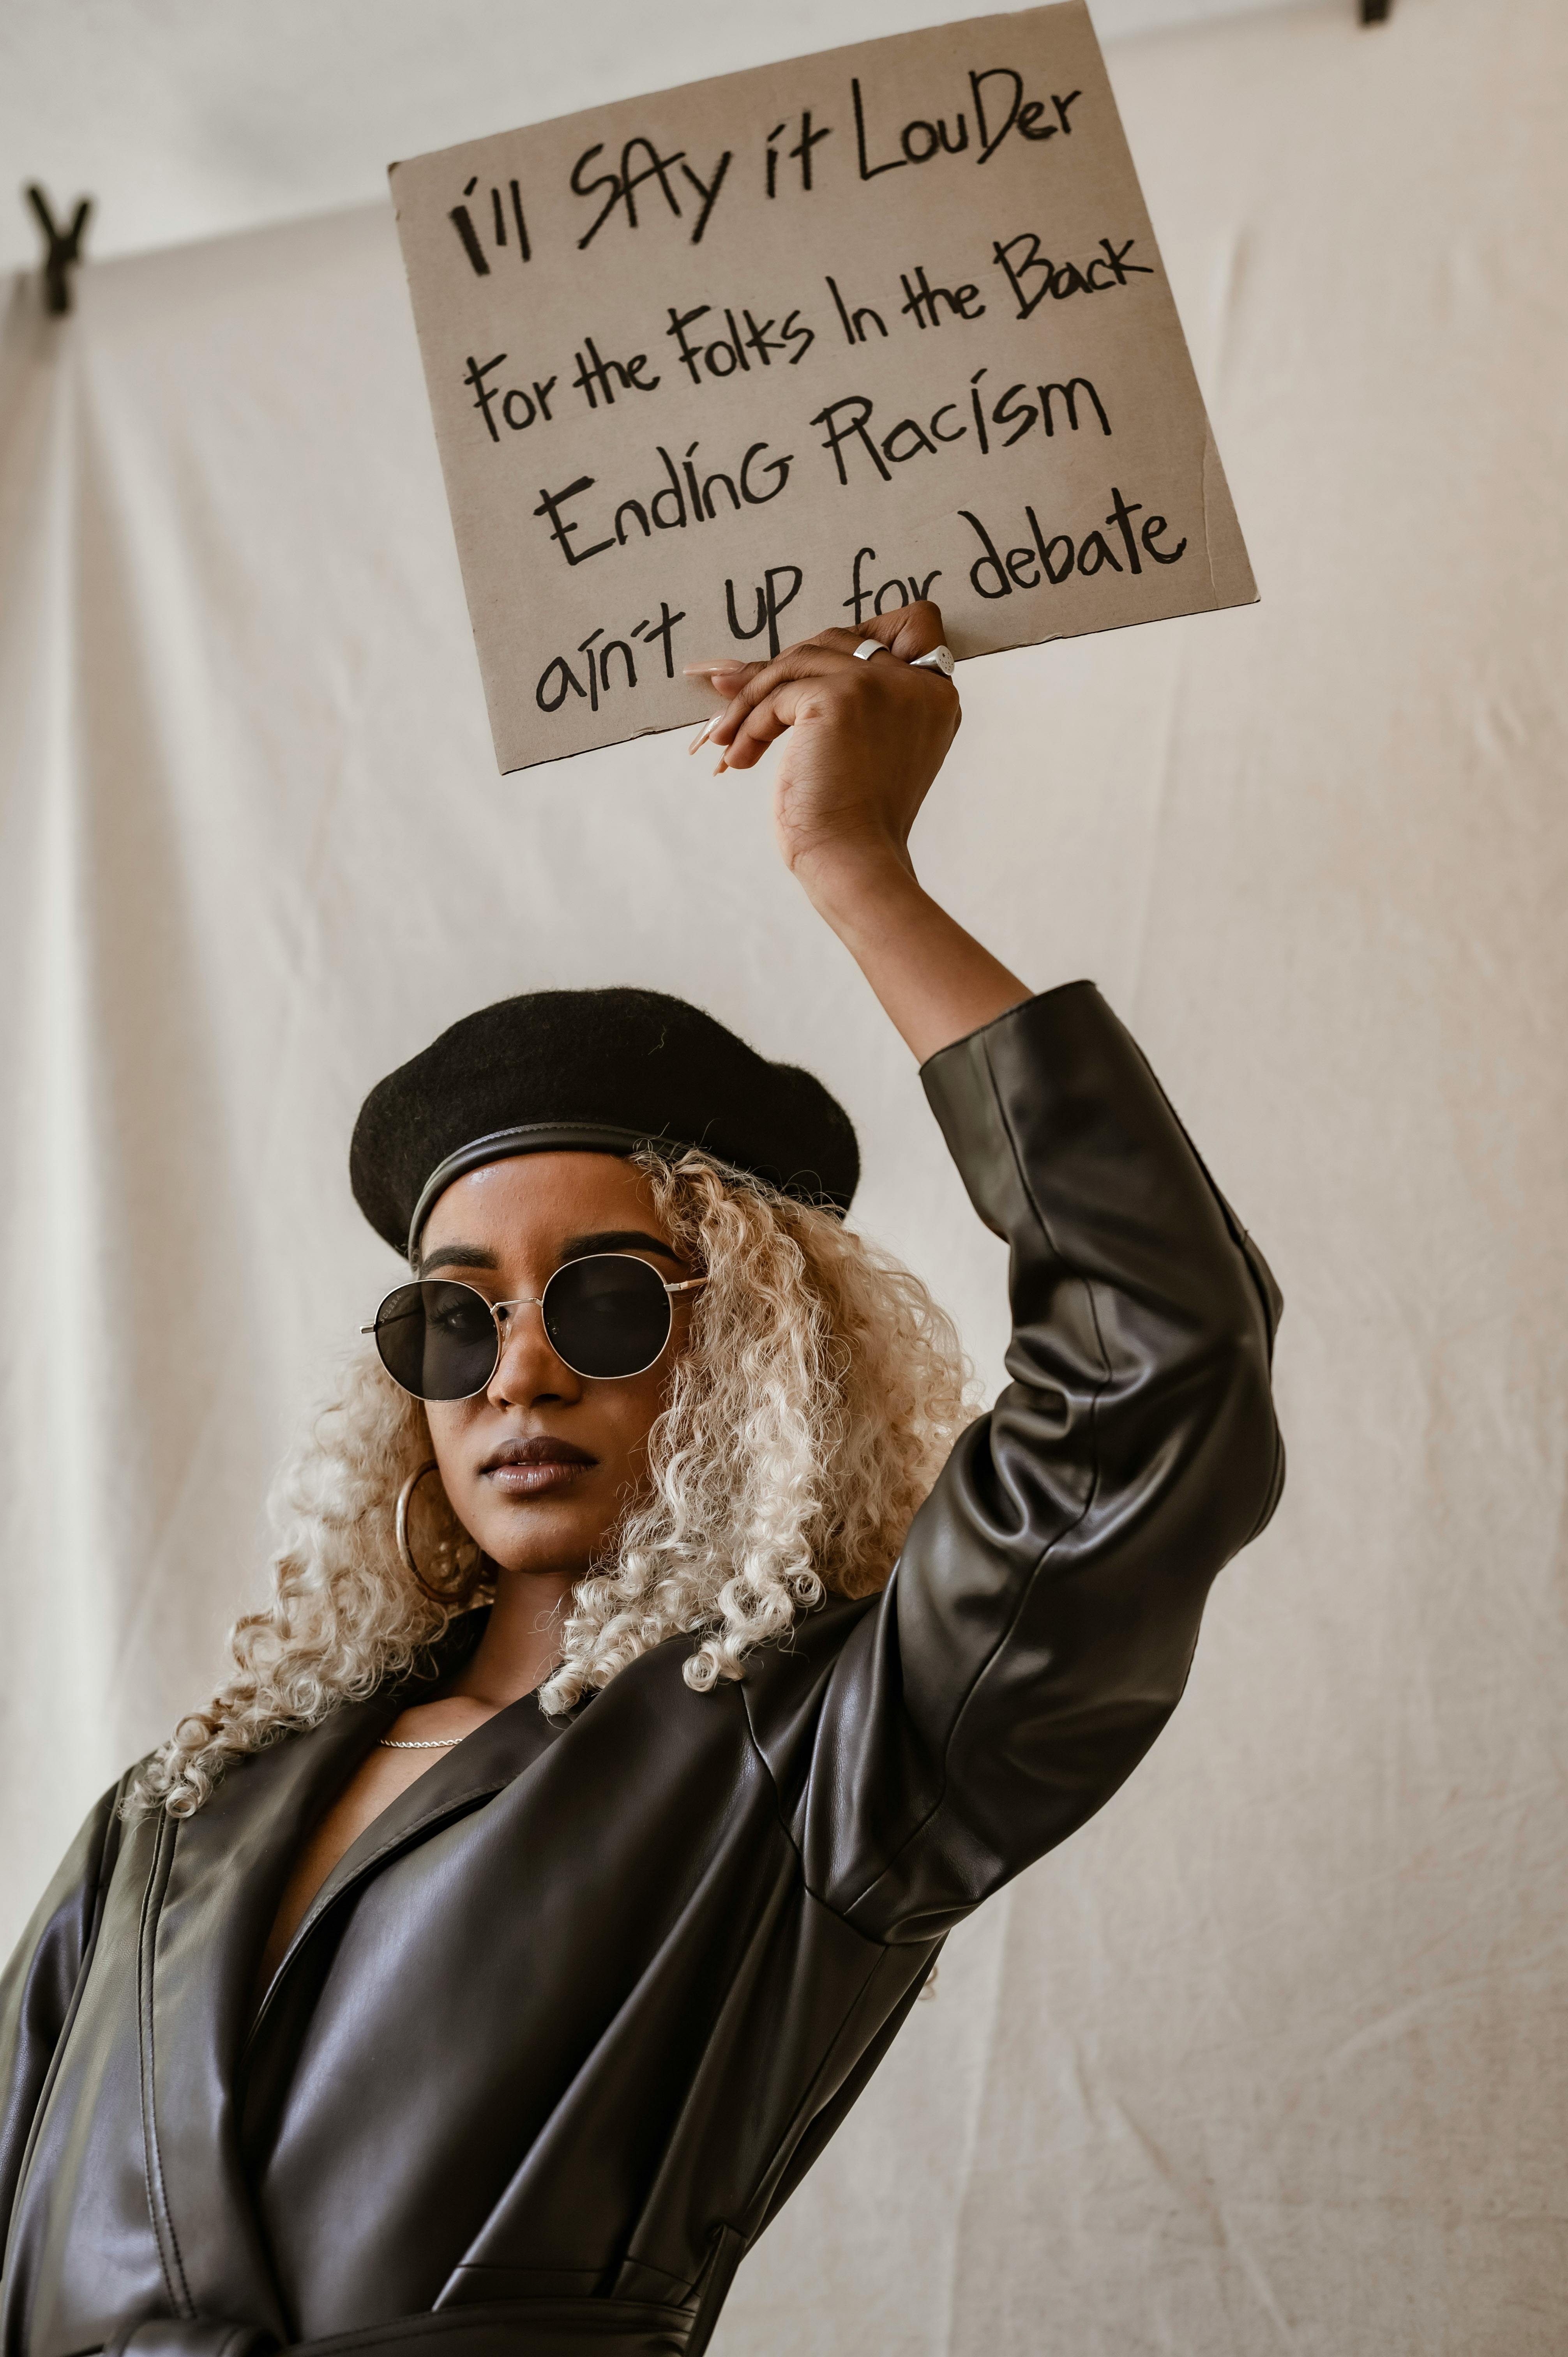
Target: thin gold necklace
column 441, row 1743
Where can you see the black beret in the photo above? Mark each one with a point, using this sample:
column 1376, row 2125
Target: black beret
column 607, row 1070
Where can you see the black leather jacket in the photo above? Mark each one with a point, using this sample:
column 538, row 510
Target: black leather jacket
column 565, row 2027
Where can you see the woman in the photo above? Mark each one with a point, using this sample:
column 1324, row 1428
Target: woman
column 484, row 1965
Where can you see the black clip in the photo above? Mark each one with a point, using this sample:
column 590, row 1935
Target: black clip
column 1376, row 12
column 64, row 247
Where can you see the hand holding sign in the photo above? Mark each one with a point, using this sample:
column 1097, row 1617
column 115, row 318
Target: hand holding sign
column 866, row 739
column 903, row 325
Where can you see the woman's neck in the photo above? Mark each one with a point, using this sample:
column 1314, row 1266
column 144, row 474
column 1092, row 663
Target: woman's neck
column 522, row 1642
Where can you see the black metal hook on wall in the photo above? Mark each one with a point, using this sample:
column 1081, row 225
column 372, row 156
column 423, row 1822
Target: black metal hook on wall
column 1376, row 12
column 63, row 247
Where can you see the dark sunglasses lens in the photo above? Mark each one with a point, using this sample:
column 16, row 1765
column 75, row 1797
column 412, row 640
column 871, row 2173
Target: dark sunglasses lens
column 438, row 1340
column 607, row 1315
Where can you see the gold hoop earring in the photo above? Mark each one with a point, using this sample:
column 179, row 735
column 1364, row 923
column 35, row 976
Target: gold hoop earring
column 472, row 1572
column 405, row 1500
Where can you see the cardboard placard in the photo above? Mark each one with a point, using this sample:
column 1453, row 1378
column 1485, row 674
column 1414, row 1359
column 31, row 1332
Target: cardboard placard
column 715, row 368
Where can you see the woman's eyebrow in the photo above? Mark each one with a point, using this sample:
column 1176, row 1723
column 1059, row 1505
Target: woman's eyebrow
column 458, row 1256
column 613, row 1240
column 607, row 1240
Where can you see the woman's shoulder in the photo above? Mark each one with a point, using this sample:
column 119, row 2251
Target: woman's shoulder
column 786, row 1682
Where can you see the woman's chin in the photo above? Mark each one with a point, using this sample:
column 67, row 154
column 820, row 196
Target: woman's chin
column 554, row 1537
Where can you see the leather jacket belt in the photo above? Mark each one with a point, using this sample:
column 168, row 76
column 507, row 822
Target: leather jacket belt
column 544, row 2327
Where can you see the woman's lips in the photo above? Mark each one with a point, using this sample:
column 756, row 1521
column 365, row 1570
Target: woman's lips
column 536, row 1467
column 533, row 1481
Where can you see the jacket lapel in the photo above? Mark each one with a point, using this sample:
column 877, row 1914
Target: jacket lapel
column 224, row 1880
column 482, row 1765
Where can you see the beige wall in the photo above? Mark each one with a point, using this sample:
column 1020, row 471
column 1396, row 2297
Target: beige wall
column 1273, row 2056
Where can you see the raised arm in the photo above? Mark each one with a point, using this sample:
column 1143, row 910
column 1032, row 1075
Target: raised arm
column 1040, row 1626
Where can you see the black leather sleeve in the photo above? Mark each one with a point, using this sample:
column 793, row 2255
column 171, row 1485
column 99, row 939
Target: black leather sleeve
column 1039, row 1628
column 39, row 1985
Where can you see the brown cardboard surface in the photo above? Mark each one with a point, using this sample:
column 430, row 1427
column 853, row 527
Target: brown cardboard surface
column 715, row 369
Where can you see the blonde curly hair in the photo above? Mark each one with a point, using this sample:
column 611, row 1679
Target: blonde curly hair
column 820, row 1394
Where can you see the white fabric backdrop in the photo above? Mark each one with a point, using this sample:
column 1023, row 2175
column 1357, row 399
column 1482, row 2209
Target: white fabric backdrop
column 194, row 118
column 1273, row 2056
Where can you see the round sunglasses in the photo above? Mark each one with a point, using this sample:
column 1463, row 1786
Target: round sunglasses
column 606, row 1314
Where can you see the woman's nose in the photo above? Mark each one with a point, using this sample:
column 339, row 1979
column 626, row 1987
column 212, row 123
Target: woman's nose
column 528, row 1369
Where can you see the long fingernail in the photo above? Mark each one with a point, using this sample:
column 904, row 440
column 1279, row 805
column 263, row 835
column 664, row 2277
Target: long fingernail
column 721, row 765
column 700, row 739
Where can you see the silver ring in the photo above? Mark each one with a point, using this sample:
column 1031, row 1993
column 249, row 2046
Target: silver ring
column 869, row 647
column 939, row 659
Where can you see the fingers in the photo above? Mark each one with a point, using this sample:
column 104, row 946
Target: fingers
column 750, row 736
column 910, row 631
column 810, row 659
